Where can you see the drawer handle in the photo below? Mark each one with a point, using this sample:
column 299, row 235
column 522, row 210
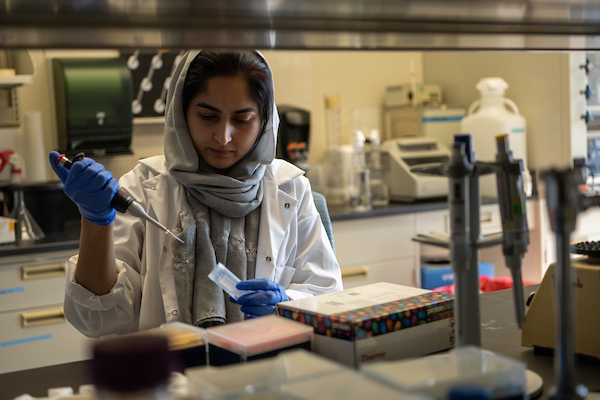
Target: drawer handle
column 352, row 272
column 43, row 271
column 487, row 217
column 36, row 318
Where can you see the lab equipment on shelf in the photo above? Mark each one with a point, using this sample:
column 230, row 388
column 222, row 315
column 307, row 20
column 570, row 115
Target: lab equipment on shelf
column 338, row 156
column 379, row 190
column 360, row 188
column 27, row 229
column 400, row 155
column 494, row 114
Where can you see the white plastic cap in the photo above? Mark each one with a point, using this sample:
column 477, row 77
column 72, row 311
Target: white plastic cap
column 358, row 138
column 374, row 136
column 492, row 86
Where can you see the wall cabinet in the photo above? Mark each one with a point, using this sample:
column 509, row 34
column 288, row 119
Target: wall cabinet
column 34, row 330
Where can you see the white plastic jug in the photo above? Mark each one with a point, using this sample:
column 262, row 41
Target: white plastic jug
column 490, row 116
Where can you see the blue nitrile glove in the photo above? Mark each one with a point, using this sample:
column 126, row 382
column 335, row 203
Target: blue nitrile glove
column 266, row 294
column 90, row 186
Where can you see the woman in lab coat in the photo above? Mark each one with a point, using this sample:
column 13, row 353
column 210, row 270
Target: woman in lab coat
column 219, row 189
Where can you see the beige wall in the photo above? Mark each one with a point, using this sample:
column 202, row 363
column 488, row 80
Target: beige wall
column 302, row 78
column 360, row 78
column 545, row 86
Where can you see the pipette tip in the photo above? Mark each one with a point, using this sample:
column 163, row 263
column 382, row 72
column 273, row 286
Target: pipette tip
column 168, row 232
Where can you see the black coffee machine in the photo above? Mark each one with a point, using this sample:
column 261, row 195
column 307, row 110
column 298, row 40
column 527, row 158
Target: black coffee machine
column 294, row 131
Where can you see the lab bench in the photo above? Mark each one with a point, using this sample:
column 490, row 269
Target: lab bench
column 371, row 247
column 499, row 334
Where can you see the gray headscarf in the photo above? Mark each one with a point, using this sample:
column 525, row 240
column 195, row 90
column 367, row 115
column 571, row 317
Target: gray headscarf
column 234, row 194
column 220, row 221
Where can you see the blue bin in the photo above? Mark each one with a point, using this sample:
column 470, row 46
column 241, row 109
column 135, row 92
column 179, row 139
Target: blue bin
column 436, row 274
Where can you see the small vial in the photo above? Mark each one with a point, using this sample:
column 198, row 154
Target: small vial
column 379, row 189
column 226, row 281
column 360, row 191
column 333, row 120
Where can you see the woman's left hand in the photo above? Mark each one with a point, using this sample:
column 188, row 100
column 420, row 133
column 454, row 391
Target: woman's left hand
column 265, row 295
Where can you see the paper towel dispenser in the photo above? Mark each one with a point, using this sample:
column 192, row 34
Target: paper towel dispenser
column 93, row 105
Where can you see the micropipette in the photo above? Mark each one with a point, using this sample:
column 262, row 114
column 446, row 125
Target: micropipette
column 122, row 201
column 511, row 199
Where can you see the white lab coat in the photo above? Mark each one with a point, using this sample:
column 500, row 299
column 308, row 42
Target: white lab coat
column 293, row 250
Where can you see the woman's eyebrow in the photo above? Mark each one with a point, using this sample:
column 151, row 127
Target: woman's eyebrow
column 242, row 111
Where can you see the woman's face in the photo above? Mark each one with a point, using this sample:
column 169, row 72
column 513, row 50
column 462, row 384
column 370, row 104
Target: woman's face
column 224, row 121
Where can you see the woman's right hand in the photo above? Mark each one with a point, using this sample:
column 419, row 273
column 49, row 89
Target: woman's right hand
column 90, row 186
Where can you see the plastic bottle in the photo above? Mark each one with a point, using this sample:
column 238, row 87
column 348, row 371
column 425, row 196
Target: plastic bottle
column 333, row 121
column 379, row 190
column 338, row 157
column 360, row 189
column 492, row 115
column 132, row 368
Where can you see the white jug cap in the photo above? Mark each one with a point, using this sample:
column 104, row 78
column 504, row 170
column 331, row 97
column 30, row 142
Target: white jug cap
column 492, row 86
column 374, row 136
column 358, row 139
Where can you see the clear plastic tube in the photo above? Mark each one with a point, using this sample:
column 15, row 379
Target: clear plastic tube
column 360, row 192
column 333, row 121
column 379, row 190
column 226, row 280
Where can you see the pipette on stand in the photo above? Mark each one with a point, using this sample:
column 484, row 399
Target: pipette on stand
column 122, row 201
column 511, row 199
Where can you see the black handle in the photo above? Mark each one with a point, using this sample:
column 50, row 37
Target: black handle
column 121, row 199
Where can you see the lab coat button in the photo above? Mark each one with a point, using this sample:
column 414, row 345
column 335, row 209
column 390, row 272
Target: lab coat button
column 268, row 259
column 165, row 249
column 287, row 205
column 174, row 312
column 153, row 187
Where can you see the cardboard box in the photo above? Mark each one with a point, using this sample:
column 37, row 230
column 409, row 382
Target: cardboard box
column 7, row 230
column 436, row 274
column 380, row 321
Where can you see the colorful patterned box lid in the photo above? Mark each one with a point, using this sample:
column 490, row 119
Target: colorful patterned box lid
column 369, row 310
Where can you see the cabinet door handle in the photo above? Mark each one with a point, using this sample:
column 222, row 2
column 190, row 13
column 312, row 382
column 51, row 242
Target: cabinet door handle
column 352, row 272
column 36, row 318
column 43, row 271
column 486, row 217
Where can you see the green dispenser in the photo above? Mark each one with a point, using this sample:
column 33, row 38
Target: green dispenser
column 93, row 105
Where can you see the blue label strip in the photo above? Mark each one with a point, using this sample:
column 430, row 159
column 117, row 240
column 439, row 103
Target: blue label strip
column 25, row 340
column 443, row 119
column 12, row 290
